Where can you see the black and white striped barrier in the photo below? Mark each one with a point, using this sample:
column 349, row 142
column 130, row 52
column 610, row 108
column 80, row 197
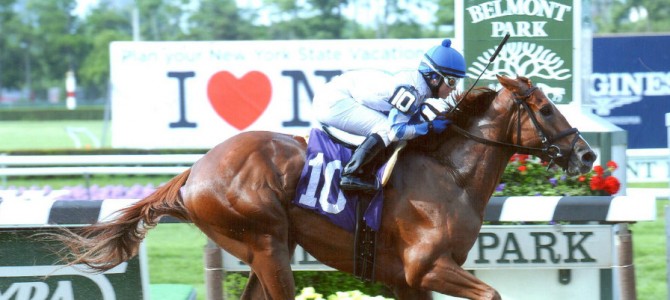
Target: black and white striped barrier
column 44, row 212
column 586, row 256
column 570, row 209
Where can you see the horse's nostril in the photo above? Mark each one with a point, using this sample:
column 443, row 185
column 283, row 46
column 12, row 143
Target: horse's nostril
column 589, row 157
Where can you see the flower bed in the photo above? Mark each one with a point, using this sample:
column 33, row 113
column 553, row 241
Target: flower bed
column 528, row 176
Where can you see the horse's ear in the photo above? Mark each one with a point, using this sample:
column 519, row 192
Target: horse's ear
column 526, row 80
column 509, row 83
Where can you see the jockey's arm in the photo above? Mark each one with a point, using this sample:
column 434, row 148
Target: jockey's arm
column 406, row 127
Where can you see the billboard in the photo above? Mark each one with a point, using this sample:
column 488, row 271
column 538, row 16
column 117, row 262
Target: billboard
column 630, row 86
column 544, row 44
column 196, row 94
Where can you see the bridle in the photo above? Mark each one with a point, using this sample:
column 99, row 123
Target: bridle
column 549, row 148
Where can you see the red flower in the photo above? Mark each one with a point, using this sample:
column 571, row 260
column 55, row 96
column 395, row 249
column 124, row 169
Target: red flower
column 611, row 165
column 523, row 158
column 582, row 178
column 599, row 170
column 522, row 169
column 597, row 183
column 611, row 185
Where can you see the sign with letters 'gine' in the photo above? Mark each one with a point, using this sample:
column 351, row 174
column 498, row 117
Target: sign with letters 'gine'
column 541, row 45
column 196, row 94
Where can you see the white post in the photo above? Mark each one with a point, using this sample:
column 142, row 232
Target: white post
column 213, row 271
column 70, row 88
column 624, row 244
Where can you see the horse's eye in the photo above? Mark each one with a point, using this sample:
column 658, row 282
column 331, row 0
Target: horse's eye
column 546, row 111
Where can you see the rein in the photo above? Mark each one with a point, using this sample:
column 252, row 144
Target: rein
column 550, row 149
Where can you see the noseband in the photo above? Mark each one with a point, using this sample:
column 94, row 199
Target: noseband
column 549, row 148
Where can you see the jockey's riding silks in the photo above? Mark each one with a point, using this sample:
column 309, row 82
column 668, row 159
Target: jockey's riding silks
column 387, row 107
column 358, row 102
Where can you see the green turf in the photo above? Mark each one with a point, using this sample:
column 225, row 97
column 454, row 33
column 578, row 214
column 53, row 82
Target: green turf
column 22, row 135
column 175, row 254
column 650, row 257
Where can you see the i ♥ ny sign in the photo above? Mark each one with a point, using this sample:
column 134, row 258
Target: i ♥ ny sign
column 250, row 94
column 196, row 94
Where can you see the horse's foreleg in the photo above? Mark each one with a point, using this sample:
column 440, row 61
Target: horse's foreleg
column 449, row 278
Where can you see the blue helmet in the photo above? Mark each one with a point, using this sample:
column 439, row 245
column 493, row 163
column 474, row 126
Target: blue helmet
column 443, row 60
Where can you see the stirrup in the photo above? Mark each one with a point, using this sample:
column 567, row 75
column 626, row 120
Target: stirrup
column 355, row 184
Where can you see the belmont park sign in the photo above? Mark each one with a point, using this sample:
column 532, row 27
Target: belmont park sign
column 541, row 47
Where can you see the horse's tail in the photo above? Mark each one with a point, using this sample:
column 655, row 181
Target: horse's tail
column 105, row 245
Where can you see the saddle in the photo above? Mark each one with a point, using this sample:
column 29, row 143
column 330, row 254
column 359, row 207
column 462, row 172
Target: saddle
column 352, row 141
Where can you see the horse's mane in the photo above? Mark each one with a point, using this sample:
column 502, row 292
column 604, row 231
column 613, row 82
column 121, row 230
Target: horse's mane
column 472, row 105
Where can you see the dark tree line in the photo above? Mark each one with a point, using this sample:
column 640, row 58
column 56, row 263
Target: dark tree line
column 41, row 40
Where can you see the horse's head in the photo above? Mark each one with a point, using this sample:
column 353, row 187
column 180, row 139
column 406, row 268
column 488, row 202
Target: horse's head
column 541, row 130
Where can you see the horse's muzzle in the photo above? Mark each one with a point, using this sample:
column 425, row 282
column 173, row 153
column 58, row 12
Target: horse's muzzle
column 582, row 159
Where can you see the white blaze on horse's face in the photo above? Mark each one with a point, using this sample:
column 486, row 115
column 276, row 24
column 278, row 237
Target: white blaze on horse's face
column 545, row 128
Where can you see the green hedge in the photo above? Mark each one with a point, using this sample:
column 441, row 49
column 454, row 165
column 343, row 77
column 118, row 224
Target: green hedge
column 52, row 113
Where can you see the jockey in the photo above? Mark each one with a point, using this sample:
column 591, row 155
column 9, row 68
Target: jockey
column 381, row 106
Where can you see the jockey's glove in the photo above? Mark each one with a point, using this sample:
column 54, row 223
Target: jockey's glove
column 439, row 124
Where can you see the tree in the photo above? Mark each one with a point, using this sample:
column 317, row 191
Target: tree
column 50, row 39
column 160, row 20
column 223, row 20
column 318, row 19
column 630, row 16
column 9, row 46
column 106, row 23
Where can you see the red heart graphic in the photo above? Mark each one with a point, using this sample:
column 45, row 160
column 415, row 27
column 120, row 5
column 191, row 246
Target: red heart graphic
column 239, row 101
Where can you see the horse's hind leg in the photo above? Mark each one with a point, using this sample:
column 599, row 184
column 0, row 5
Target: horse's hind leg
column 269, row 259
column 273, row 267
column 254, row 289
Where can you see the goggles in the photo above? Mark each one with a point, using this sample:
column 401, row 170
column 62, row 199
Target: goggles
column 448, row 80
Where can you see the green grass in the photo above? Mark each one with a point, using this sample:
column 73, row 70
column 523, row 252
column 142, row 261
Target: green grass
column 649, row 256
column 22, row 135
column 175, row 254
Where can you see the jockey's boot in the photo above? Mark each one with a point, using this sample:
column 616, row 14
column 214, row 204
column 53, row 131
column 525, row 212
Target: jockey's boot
column 354, row 177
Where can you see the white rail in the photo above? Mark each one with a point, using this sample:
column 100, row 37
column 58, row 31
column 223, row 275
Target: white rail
column 136, row 164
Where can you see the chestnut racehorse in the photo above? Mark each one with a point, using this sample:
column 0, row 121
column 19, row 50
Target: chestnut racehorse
column 240, row 195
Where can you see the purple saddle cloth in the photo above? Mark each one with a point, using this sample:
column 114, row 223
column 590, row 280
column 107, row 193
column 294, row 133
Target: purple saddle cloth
column 319, row 190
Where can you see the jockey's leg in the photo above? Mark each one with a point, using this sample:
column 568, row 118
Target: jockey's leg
column 354, row 175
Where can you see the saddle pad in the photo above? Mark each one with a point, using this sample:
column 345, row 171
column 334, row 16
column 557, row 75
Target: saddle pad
column 319, row 190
